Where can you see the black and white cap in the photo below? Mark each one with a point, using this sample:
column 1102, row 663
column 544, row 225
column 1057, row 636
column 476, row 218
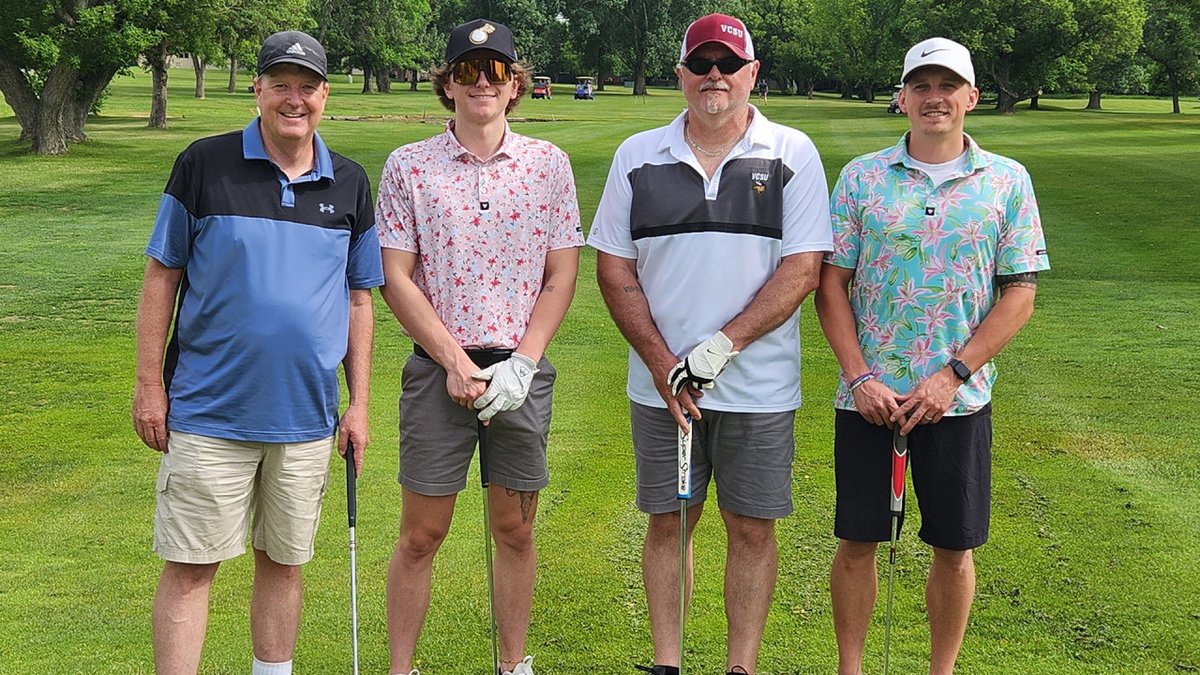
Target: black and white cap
column 293, row 46
column 481, row 35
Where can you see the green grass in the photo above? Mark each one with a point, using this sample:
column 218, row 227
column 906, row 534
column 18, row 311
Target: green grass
column 1092, row 566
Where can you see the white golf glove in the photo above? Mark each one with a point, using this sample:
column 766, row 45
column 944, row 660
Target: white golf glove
column 510, row 380
column 703, row 365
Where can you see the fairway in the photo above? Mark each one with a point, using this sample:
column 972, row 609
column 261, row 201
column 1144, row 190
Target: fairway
column 1094, row 561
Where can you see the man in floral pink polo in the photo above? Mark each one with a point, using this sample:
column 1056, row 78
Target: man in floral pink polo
column 937, row 246
column 480, row 233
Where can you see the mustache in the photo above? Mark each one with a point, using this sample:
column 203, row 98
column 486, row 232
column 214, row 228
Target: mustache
column 718, row 85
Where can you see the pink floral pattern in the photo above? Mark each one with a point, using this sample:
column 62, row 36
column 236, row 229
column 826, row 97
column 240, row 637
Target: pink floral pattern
column 926, row 260
column 481, row 228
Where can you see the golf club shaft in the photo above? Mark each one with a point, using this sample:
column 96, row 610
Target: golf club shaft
column 899, row 461
column 487, row 545
column 352, row 516
column 683, row 493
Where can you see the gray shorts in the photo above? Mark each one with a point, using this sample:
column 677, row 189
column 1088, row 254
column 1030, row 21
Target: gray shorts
column 749, row 453
column 438, row 436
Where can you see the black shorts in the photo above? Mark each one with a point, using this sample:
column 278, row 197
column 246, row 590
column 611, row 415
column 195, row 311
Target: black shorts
column 951, row 465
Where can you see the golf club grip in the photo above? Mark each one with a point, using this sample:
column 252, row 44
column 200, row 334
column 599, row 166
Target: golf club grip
column 483, row 452
column 351, row 485
column 899, row 466
column 684, row 462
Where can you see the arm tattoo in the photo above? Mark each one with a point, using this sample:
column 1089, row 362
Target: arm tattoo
column 549, row 288
column 1022, row 280
column 636, row 288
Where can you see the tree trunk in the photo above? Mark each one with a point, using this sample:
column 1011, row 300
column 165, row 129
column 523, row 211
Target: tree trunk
column 50, row 137
column 198, row 65
column 157, row 57
column 21, row 97
column 847, row 90
column 811, row 87
column 412, row 85
column 232, row 73
column 87, row 92
column 639, row 71
column 868, row 93
column 1174, row 80
column 367, row 73
column 383, row 80
column 601, row 77
column 1033, row 102
column 1093, row 100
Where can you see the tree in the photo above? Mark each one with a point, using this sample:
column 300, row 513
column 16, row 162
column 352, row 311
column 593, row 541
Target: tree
column 1015, row 44
column 865, row 40
column 57, row 57
column 1171, row 38
column 244, row 24
column 1109, row 34
column 374, row 35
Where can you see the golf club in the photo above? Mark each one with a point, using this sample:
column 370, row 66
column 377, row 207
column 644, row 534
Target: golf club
column 899, row 465
column 352, row 513
column 683, row 493
column 487, row 544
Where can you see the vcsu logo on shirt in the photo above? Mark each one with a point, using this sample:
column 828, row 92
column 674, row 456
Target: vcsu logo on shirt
column 759, row 181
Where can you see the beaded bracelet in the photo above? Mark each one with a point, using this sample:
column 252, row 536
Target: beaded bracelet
column 861, row 380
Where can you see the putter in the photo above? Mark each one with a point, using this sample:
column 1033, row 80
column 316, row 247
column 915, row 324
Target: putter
column 899, row 465
column 683, row 493
column 487, row 544
column 351, row 511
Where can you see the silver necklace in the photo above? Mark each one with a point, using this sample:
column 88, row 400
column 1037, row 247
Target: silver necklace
column 724, row 150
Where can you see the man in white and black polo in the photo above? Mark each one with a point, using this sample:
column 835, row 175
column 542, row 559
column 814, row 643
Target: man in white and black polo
column 710, row 234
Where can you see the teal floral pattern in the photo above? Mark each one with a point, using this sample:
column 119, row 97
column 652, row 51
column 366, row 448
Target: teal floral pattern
column 926, row 258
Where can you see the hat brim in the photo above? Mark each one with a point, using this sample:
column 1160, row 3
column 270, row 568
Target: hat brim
column 737, row 50
column 482, row 53
column 291, row 59
column 907, row 76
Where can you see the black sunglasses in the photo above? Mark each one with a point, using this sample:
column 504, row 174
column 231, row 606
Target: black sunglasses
column 728, row 65
column 496, row 72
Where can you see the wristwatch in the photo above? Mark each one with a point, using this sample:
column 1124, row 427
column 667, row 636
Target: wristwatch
column 960, row 369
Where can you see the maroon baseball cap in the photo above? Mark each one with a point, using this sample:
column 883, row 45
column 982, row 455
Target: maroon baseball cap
column 720, row 28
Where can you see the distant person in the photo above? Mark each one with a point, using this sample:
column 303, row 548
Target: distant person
column 762, row 90
column 937, row 248
column 267, row 240
column 481, row 236
column 710, row 234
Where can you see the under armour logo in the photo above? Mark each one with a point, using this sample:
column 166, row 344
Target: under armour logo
column 325, row 208
column 296, row 49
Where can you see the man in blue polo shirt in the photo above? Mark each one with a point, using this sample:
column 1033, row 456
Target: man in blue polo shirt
column 264, row 250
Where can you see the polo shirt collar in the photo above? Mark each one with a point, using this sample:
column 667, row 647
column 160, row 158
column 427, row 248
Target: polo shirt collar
column 507, row 148
column 898, row 155
column 253, row 148
column 674, row 142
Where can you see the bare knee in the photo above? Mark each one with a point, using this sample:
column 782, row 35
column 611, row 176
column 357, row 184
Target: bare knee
column 187, row 577
column 755, row 536
column 421, row 541
column 854, row 555
column 954, row 562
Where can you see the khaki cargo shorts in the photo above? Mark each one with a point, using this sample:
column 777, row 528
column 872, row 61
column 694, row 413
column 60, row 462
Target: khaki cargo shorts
column 208, row 488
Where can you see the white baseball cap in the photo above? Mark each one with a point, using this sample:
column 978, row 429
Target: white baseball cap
column 939, row 51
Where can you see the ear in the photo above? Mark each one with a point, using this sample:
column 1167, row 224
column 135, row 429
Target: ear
column 902, row 100
column 973, row 99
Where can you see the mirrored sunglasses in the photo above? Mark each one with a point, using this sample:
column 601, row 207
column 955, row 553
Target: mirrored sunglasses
column 496, row 72
column 728, row 65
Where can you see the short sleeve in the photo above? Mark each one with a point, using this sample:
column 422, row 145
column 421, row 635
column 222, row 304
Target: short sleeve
column 567, row 230
column 175, row 224
column 395, row 220
column 847, row 226
column 610, row 228
column 1022, row 246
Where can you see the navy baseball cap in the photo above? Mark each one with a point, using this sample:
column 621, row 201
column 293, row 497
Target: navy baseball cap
column 481, row 35
column 293, row 46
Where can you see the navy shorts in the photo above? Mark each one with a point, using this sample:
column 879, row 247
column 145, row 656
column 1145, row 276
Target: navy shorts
column 951, row 466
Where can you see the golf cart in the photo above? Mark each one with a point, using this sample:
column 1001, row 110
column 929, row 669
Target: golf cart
column 894, row 107
column 583, row 89
column 541, row 88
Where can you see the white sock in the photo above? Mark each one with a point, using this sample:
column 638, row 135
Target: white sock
column 262, row 668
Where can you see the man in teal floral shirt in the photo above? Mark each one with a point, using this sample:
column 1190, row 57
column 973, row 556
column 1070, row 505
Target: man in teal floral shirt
column 937, row 246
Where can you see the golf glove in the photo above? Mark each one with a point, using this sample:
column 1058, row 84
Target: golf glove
column 510, row 380
column 703, row 365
